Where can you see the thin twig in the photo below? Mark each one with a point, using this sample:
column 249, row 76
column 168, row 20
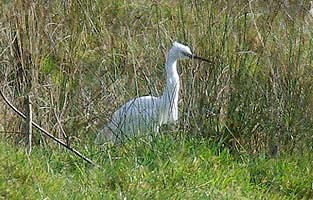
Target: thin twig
column 234, row 137
column 29, row 121
column 46, row 132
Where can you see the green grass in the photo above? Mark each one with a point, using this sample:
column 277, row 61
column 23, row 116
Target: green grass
column 166, row 168
column 81, row 60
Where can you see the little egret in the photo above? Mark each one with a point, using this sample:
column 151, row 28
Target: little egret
column 146, row 114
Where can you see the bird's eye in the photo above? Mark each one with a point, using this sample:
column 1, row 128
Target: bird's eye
column 187, row 54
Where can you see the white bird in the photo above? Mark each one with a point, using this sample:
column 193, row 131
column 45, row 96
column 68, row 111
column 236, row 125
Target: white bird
column 146, row 114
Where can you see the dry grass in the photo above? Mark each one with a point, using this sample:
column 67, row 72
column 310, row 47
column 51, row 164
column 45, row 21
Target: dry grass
column 80, row 60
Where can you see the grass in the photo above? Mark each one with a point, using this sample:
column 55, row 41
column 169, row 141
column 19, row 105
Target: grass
column 166, row 168
column 80, row 60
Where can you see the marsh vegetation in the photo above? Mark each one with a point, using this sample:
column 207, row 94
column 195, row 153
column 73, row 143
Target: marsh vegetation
column 245, row 120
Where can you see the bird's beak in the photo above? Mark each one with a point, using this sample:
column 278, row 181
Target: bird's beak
column 193, row 56
column 199, row 58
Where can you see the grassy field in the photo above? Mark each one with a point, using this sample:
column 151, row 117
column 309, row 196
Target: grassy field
column 79, row 61
column 165, row 168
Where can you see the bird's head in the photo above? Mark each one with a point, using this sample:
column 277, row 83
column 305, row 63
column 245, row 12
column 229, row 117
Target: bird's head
column 184, row 52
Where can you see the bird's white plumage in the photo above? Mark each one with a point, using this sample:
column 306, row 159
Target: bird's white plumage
column 146, row 114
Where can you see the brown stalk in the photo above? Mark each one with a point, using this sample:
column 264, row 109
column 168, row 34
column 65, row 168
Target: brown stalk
column 46, row 132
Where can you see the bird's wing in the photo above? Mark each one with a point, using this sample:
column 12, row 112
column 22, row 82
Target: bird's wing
column 145, row 106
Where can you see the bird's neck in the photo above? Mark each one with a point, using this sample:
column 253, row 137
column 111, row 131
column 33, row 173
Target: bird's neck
column 171, row 61
column 169, row 99
column 171, row 68
column 172, row 78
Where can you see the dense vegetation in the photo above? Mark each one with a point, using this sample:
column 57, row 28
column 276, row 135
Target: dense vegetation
column 166, row 168
column 245, row 128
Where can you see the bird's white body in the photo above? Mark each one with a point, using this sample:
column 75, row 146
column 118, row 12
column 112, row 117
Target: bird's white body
column 145, row 115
